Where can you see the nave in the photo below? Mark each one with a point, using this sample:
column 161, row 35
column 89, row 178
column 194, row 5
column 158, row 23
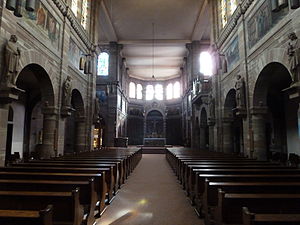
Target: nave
column 151, row 196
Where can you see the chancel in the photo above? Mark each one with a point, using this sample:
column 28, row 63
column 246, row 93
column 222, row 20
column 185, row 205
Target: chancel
column 141, row 112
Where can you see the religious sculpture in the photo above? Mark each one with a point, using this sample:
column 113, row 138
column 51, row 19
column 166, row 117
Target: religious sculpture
column 67, row 92
column 294, row 56
column 240, row 92
column 12, row 58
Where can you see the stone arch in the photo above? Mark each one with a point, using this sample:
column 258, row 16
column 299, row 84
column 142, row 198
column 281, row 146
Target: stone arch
column 275, row 55
column 274, row 114
column 36, row 59
column 75, row 132
column 39, row 101
column 204, row 130
column 229, row 104
column 77, row 102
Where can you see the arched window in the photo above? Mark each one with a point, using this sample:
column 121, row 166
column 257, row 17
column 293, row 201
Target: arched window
column 149, row 92
column 159, row 92
column 74, row 7
column 205, row 63
column 139, row 91
column 103, row 62
column 176, row 90
column 169, row 91
column 84, row 13
column 131, row 90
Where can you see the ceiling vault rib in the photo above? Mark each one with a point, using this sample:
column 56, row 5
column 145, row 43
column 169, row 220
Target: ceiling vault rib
column 109, row 20
column 201, row 12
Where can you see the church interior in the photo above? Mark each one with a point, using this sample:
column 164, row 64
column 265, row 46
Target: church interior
column 162, row 112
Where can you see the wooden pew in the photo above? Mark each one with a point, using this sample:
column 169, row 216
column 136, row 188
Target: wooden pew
column 229, row 209
column 210, row 196
column 250, row 218
column 119, row 173
column 66, row 206
column 99, row 179
column 200, row 188
column 109, row 169
column 191, row 181
column 107, row 173
column 87, row 196
column 27, row 217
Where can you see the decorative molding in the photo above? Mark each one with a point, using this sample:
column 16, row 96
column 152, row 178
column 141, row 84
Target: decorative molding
column 66, row 12
column 227, row 30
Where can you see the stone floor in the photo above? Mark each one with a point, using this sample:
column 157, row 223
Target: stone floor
column 151, row 196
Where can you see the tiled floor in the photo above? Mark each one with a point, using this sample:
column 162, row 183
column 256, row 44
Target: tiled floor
column 151, row 196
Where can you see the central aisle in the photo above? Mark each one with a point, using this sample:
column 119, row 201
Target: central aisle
column 151, row 196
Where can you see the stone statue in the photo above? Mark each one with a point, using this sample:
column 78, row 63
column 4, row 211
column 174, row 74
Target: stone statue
column 294, row 56
column 12, row 58
column 67, row 92
column 211, row 104
column 240, row 92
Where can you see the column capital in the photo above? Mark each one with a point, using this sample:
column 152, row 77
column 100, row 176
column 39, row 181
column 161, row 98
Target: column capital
column 50, row 110
column 227, row 119
column 259, row 110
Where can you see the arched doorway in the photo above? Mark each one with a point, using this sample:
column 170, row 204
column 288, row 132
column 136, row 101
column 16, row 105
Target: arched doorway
column 75, row 130
column 34, row 114
column 274, row 118
column 204, row 130
column 232, row 126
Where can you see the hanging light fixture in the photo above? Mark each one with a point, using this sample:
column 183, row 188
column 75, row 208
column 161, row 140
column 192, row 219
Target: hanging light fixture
column 153, row 77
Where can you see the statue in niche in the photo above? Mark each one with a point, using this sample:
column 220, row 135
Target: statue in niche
column 211, row 104
column 12, row 58
column 240, row 92
column 67, row 92
column 294, row 56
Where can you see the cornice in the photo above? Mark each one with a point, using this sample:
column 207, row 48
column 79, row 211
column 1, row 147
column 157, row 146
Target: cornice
column 227, row 30
column 66, row 12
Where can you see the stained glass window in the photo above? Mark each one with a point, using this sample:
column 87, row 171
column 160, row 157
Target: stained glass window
column 169, row 91
column 223, row 6
column 149, row 92
column 227, row 8
column 159, row 92
column 131, row 90
column 205, row 63
column 176, row 90
column 103, row 63
column 74, row 7
column 139, row 91
column 84, row 13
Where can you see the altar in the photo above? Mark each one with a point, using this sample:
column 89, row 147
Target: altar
column 149, row 141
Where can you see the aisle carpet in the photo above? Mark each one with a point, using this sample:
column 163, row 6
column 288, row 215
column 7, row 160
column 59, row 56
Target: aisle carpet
column 151, row 196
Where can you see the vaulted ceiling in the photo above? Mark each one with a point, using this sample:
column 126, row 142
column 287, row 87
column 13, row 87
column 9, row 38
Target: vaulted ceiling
column 154, row 33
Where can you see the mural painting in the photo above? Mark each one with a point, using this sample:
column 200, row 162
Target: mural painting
column 262, row 22
column 232, row 53
column 44, row 22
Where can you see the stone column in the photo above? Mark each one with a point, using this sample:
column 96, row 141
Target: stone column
column 202, row 137
column 3, row 132
column 80, row 134
column 211, row 125
column 299, row 121
column 48, row 148
column 227, row 135
column 259, row 133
